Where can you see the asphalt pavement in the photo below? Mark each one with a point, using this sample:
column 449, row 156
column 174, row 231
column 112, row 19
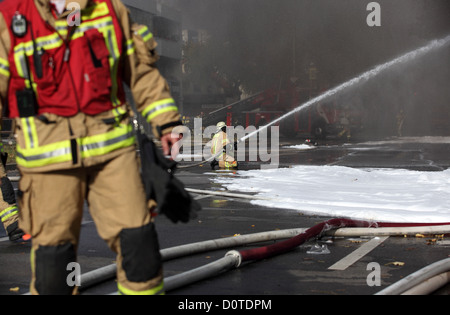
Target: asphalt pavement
column 296, row 272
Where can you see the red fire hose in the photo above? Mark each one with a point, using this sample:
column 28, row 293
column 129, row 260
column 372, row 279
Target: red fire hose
column 315, row 231
column 284, row 246
column 233, row 259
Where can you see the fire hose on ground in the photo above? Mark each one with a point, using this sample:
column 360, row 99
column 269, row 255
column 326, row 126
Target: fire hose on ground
column 425, row 282
column 234, row 259
column 334, row 227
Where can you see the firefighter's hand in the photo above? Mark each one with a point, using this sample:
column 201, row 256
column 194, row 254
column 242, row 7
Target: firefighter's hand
column 170, row 144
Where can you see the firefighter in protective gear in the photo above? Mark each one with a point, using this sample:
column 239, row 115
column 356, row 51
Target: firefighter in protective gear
column 61, row 78
column 220, row 143
column 9, row 213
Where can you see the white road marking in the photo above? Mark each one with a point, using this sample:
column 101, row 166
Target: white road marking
column 363, row 250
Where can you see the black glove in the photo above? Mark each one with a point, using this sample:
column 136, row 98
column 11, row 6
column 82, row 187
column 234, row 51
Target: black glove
column 162, row 186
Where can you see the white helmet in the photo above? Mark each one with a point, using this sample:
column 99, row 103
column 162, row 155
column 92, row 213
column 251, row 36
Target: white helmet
column 220, row 125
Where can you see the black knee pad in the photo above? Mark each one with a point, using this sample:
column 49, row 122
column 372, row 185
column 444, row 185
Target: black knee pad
column 51, row 269
column 8, row 191
column 140, row 252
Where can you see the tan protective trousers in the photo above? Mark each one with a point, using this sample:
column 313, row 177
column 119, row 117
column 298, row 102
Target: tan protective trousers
column 52, row 206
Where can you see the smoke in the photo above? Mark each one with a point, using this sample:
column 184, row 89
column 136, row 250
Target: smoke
column 269, row 41
column 362, row 78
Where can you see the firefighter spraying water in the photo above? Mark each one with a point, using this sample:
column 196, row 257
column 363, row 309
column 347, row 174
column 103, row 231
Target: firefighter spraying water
column 221, row 143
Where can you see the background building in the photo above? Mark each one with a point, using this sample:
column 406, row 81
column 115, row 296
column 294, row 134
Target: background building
column 165, row 24
column 205, row 88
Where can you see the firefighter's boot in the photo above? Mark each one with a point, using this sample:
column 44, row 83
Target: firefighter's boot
column 214, row 163
column 14, row 232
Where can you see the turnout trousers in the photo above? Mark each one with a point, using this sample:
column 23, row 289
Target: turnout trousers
column 52, row 204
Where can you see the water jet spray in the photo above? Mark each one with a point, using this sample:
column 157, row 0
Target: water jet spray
column 433, row 45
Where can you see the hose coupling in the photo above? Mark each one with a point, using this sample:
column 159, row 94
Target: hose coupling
column 237, row 257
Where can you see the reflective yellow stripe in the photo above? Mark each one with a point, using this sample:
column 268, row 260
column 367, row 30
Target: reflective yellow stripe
column 106, row 27
column 90, row 13
column 57, row 152
column 20, row 61
column 26, row 49
column 61, row 27
column 118, row 113
column 8, row 212
column 158, row 108
column 29, row 132
column 53, row 41
column 158, row 290
column 230, row 164
column 4, row 67
column 216, row 142
column 145, row 33
column 33, row 260
column 130, row 47
column 122, row 136
column 111, row 41
column 48, row 42
column 100, row 24
column 95, row 11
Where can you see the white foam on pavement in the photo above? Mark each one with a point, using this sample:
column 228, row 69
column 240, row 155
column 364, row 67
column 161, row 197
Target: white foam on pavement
column 393, row 195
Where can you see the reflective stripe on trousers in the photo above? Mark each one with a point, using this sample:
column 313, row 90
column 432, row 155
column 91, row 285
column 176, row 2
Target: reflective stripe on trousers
column 158, row 290
column 8, row 212
column 34, row 155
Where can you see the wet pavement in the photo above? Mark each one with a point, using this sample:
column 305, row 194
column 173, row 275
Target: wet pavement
column 292, row 273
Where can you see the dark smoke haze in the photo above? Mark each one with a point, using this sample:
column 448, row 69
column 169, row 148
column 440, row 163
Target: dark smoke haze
column 274, row 40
